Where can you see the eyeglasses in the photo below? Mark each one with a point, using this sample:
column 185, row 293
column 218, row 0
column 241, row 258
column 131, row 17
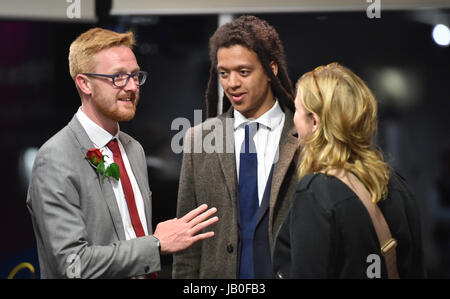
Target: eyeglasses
column 122, row 79
column 319, row 68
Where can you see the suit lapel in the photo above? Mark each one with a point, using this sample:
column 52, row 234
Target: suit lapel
column 105, row 187
column 227, row 160
column 287, row 147
column 110, row 198
column 138, row 167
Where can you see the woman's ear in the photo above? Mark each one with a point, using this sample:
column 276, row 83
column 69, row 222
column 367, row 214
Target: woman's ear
column 315, row 123
column 83, row 84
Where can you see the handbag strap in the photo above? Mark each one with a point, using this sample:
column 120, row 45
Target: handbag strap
column 387, row 242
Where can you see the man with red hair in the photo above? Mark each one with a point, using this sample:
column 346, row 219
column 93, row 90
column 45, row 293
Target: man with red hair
column 89, row 196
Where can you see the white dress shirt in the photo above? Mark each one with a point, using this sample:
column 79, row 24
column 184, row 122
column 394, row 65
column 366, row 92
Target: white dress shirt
column 266, row 140
column 100, row 138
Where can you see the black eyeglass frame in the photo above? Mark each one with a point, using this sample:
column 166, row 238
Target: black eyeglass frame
column 114, row 76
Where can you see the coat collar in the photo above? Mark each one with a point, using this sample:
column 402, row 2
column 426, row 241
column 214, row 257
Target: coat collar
column 287, row 147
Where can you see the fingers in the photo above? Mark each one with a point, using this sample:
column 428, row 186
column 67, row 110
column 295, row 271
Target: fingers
column 194, row 213
column 180, row 233
column 199, row 219
column 203, row 236
column 202, row 217
column 202, row 225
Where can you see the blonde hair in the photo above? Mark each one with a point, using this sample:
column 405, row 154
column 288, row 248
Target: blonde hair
column 84, row 47
column 347, row 113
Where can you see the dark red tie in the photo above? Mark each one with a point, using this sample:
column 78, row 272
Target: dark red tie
column 127, row 189
column 129, row 195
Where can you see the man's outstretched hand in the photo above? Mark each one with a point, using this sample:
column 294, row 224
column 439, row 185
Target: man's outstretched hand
column 180, row 233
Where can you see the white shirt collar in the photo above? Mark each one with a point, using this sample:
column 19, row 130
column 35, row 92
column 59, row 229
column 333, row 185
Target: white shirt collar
column 99, row 136
column 269, row 119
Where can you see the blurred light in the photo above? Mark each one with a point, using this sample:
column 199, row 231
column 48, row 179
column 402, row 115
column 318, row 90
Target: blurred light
column 394, row 86
column 26, row 162
column 394, row 82
column 441, row 35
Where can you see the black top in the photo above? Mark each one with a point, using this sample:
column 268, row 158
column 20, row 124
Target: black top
column 328, row 232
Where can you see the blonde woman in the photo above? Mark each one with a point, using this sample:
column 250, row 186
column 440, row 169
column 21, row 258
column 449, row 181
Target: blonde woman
column 328, row 232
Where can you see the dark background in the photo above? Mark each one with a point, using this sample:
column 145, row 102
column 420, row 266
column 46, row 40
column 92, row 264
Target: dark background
column 394, row 54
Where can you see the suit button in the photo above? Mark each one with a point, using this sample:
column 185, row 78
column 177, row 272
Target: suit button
column 230, row 248
column 147, row 269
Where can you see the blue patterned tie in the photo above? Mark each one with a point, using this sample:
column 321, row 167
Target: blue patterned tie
column 248, row 199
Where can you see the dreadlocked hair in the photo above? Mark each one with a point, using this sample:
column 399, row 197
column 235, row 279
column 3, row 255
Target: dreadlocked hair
column 259, row 36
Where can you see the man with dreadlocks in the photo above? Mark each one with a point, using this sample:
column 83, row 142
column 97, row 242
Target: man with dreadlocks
column 252, row 181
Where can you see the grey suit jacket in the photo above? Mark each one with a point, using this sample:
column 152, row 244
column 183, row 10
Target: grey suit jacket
column 211, row 178
column 76, row 220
